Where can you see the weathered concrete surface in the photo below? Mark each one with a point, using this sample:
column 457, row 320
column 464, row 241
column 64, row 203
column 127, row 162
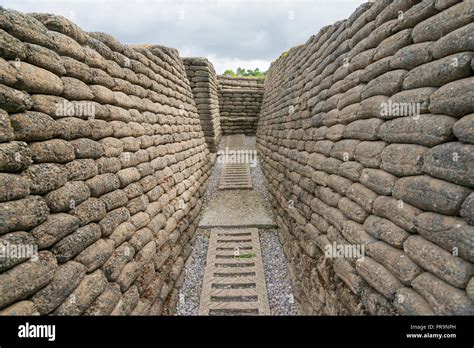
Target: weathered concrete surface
column 243, row 208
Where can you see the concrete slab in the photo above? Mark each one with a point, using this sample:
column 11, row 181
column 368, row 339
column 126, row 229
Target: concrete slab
column 237, row 208
column 235, row 141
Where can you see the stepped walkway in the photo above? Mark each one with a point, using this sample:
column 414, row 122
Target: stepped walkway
column 234, row 280
column 237, row 265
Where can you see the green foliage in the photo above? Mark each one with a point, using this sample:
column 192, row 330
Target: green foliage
column 247, row 256
column 245, row 73
column 229, row 73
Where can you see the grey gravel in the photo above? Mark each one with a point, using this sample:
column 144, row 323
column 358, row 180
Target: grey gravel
column 258, row 181
column 280, row 292
column 190, row 292
column 222, row 144
column 250, row 140
column 213, row 182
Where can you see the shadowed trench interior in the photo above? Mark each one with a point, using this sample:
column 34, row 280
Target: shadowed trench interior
column 134, row 181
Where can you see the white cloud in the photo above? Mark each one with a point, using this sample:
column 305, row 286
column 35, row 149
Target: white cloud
column 222, row 64
column 252, row 32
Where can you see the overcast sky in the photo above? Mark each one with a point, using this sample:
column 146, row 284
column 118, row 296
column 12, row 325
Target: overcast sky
column 230, row 33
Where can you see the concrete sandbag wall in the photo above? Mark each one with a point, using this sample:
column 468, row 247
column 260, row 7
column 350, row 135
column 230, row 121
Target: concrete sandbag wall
column 102, row 165
column 366, row 136
column 204, row 84
column 239, row 102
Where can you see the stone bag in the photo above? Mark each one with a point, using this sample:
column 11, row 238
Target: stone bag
column 103, row 161
column 367, row 129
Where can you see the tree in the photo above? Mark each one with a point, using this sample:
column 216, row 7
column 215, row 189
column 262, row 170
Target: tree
column 229, row 72
column 241, row 72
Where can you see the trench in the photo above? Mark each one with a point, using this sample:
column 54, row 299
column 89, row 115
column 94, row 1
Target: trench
column 120, row 194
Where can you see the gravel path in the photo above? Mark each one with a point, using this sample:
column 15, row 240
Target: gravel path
column 280, row 293
column 213, row 182
column 250, row 140
column 258, row 181
column 190, row 292
column 279, row 288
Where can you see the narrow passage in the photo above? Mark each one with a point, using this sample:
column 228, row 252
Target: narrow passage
column 237, row 266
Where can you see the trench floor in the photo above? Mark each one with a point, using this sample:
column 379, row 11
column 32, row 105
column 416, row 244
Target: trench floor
column 237, row 266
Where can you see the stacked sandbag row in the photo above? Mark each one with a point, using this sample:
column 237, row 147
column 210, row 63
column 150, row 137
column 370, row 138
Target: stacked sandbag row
column 203, row 80
column 102, row 165
column 367, row 140
column 239, row 102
